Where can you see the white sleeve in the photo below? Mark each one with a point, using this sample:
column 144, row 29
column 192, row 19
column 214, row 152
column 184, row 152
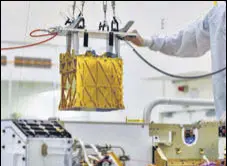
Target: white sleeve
column 194, row 41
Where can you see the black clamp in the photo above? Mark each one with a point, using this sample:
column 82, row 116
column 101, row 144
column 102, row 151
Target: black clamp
column 81, row 23
column 68, row 21
column 104, row 26
column 114, row 22
column 124, row 158
column 86, row 36
column 111, row 39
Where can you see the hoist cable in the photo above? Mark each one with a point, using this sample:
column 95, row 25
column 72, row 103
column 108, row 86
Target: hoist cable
column 173, row 75
column 82, row 7
column 105, row 10
column 74, row 8
column 113, row 3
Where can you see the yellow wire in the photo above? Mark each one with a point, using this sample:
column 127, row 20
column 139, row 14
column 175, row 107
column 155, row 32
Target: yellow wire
column 215, row 3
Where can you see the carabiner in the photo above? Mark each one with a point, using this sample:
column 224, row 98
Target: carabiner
column 114, row 22
column 81, row 23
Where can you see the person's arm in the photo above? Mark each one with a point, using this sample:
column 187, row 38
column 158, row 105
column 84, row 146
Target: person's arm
column 193, row 41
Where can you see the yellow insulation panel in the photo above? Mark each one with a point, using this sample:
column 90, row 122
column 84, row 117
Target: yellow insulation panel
column 91, row 82
column 185, row 162
column 176, row 162
column 179, row 162
column 158, row 160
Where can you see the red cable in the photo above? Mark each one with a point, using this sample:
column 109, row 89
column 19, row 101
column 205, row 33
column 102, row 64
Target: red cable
column 34, row 44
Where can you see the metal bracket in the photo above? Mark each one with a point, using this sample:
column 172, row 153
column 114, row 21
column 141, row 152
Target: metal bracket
column 73, row 33
column 44, row 150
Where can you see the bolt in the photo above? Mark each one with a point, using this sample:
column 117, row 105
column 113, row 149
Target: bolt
column 178, row 151
column 3, row 131
column 19, row 142
column 23, row 158
column 13, row 135
column 23, row 147
column 3, row 147
column 202, row 151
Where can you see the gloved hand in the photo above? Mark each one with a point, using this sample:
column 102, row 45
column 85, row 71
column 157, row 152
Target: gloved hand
column 138, row 41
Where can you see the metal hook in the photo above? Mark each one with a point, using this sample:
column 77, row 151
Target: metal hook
column 114, row 22
column 118, row 19
column 104, row 25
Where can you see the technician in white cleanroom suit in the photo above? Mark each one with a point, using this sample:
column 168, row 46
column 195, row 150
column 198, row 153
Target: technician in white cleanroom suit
column 196, row 40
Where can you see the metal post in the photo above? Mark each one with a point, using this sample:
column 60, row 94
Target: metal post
column 108, row 47
column 76, row 42
column 68, row 42
column 117, row 46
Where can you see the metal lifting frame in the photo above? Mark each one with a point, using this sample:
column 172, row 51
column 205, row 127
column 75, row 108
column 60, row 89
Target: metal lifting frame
column 74, row 31
column 73, row 35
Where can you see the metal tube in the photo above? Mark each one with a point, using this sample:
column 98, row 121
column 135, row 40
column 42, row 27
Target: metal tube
column 100, row 148
column 76, row 42
column 166, row 101
column 117, row 46
column 120, row 148
column 68, row 42
column 77, row 146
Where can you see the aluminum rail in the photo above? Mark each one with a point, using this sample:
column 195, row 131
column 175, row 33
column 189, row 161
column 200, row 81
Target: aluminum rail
column 92, row 33
column 168, row 101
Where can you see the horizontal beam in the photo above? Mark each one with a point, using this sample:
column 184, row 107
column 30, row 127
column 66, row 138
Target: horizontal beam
column 92, row 34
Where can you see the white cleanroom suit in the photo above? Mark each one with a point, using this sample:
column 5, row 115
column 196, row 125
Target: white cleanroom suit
column 196, row 40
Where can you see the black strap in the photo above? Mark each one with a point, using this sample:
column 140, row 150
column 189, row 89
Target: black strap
column 153, row 154
column 86, row 39
column 111, row 39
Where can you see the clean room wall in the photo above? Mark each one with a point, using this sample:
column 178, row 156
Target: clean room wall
column 4, row 98
column 24, row 99
column 147, row 16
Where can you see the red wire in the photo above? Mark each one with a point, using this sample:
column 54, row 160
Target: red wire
column 53, row 35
